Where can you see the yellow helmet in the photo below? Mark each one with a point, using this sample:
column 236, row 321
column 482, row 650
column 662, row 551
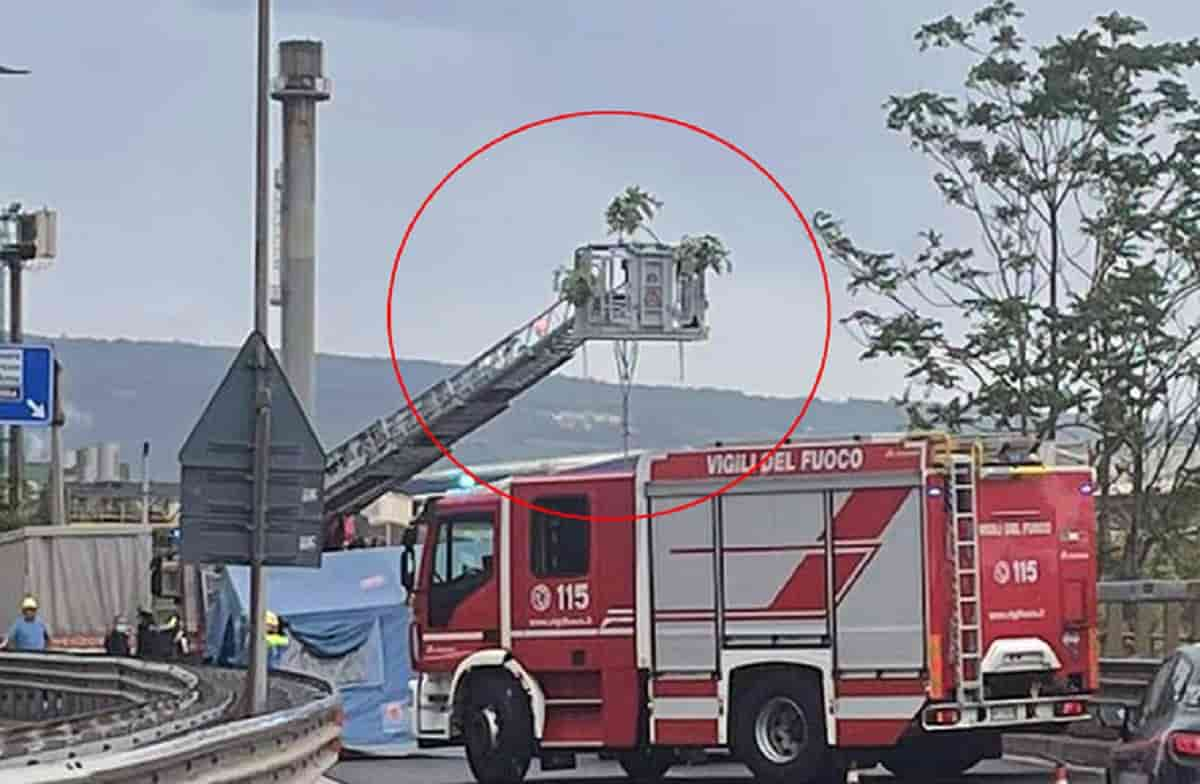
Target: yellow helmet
column 29, row 604
column 272, row 620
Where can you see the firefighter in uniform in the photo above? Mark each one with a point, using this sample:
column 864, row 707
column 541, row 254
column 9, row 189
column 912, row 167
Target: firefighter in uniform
column 276, row 641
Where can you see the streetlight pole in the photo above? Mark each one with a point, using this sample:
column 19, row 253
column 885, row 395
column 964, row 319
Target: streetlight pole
column 256, row 686
column 8, row 435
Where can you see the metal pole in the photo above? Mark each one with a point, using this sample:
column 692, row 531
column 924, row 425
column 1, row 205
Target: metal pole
column 5, row 435
column 256, row 686
column 16, row 452
column 262, row 264
column 258, row 582
column 145, row 483
column 58, row 501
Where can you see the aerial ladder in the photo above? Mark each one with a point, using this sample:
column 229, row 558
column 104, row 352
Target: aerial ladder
column 641, row 294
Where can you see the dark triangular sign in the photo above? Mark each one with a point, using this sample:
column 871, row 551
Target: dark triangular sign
column 217, row 462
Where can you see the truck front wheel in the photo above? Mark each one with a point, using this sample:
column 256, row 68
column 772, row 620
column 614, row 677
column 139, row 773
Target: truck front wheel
column 498, row 730
column 779, row 730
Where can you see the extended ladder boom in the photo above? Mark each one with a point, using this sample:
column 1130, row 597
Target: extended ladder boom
column 654, row 302
column 395, row 448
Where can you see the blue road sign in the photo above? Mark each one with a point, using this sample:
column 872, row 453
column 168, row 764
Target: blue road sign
column 26, row 384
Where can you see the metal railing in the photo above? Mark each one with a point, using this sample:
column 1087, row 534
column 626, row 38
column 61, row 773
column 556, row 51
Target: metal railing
column 126, row 721
column 65, row 706
column 1124, row 680
column 1148, row 618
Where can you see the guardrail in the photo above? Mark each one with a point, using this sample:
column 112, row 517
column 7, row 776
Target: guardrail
column 1148, row 618
column 127, row 721
column 1123, row 680
column 70, row 706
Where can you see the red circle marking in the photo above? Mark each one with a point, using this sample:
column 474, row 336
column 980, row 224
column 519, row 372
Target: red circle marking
column 645, row 116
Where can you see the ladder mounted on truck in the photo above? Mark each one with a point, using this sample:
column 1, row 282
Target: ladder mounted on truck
column 966, row 636
column 642, row 295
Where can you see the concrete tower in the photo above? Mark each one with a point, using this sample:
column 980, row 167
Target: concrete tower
column 301, row 84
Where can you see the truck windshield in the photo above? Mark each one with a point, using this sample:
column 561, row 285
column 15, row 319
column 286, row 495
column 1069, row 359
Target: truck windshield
column 462, row 547
column 462, row 563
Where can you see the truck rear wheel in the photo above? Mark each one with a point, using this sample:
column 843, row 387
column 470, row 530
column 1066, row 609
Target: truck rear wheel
column 498, row 730
column 779, row 730
column 646, row 765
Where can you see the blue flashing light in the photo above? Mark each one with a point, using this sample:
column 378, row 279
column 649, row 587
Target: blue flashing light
column 934, row 492
column 1086, row 488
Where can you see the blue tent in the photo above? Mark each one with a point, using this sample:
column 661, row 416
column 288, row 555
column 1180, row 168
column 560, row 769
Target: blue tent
column 346, row 622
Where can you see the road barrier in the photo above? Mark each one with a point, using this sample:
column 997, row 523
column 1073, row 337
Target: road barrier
column 1124, row 679
column 68, row 706
column 127, row 721
column 1148, row 618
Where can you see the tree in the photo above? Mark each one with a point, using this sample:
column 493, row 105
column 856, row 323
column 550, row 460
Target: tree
column 628, row 213
column 1077, row 163
column 699, row 255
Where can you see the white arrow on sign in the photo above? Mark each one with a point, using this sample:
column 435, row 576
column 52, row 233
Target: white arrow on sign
column 39, row 411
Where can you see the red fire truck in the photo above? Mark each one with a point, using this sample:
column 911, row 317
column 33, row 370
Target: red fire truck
column 889, row 599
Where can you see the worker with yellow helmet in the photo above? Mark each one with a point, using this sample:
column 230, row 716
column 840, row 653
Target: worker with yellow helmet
column 28, row 633
column 276, row 641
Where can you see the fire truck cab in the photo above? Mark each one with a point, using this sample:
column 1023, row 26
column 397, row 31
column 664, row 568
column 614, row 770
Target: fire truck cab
column 890, row 599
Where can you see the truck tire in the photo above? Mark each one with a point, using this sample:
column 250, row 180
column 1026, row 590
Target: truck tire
column 927, row 764
column 779, row 730
column 646, row 765
column 498, row 729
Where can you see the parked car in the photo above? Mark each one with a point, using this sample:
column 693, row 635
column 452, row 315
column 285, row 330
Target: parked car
column 1160, row 737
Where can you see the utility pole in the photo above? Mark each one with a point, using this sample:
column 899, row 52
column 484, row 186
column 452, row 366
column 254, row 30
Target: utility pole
column 58, row 497
column 5, row 435
column 16, row 443
column 23, row 237
column 256, row 682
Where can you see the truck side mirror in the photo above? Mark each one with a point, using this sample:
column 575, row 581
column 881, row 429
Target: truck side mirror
column 408, row 567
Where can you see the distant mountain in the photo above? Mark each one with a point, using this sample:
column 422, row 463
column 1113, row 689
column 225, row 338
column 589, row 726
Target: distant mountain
column 133, row 391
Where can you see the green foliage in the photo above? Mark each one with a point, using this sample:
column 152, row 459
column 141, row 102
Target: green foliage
column 697, row 255
column 631, row 210
column 1077, row 163
column 575, row 284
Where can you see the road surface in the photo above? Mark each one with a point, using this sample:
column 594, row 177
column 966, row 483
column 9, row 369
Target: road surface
column 433, row 770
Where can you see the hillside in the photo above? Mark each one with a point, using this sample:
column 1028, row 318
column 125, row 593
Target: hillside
column 131, row 391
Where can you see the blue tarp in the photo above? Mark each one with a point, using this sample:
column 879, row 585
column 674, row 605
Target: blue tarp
column 347, row 622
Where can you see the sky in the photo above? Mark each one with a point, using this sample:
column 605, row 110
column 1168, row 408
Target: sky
column 137, row 125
